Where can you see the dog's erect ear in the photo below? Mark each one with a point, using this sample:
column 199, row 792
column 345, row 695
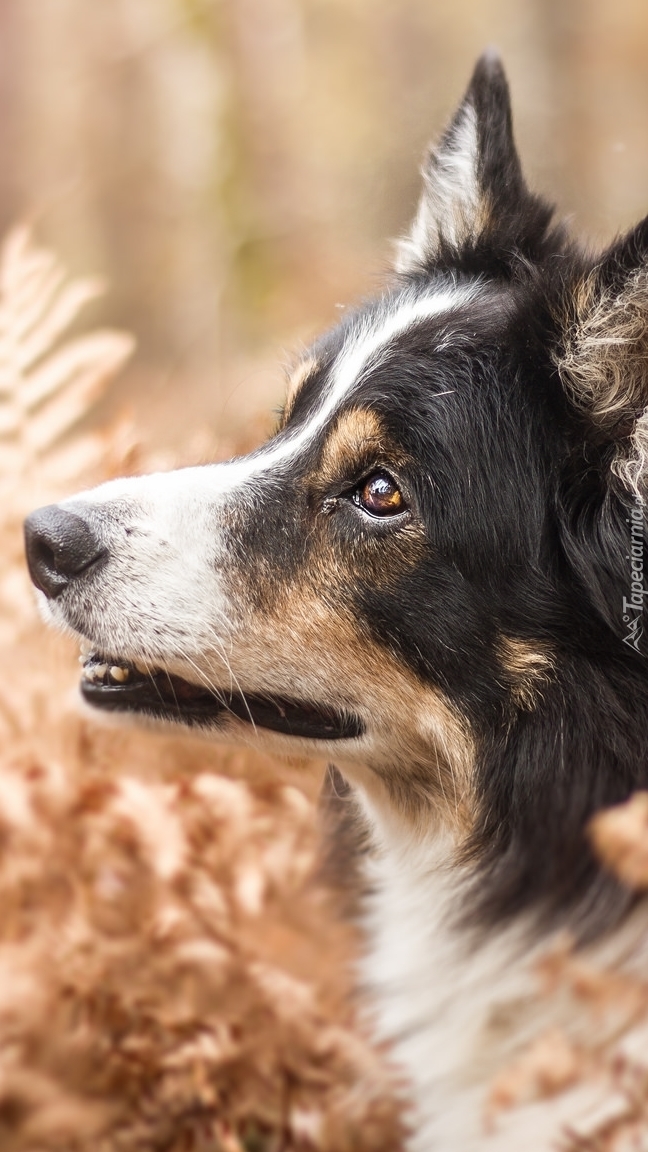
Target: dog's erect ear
column 474, row 197
column 603, row 360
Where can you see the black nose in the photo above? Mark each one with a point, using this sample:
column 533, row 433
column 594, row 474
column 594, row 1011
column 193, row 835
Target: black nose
column 60, row 546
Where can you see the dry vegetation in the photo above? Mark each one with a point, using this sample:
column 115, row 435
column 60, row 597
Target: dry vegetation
column 171, row 974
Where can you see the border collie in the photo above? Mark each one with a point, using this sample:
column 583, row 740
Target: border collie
column 433, row 574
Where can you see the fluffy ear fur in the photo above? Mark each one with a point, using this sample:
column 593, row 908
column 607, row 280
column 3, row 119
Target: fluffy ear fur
column 475, row 207
column 603, row 362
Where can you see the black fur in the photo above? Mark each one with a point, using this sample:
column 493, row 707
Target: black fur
column 528, row 537
column 517, row 225
column 517, row 529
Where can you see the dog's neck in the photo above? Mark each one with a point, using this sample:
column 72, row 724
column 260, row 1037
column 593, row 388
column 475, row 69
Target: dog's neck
column 538, row 779
column 583, row 747
column 454, row 926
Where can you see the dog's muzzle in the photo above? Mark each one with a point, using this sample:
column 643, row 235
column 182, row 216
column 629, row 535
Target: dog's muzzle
column 64, row 550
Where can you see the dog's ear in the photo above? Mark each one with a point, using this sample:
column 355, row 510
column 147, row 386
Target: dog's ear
column 603, row 358
column 475, row 202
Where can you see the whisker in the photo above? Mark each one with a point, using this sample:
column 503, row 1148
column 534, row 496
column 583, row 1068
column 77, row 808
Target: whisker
column 151, row 677
column 216, row 691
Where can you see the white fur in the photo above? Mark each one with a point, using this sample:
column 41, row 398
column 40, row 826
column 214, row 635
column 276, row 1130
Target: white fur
column 166, row 594
column 450, row 202
column 438, row 993
column 361, row 352
column 458, row 1009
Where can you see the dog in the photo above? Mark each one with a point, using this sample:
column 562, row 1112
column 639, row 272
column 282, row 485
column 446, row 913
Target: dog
column 431, row 574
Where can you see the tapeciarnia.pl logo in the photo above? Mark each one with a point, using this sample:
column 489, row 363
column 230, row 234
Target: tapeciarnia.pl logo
column 634, row 604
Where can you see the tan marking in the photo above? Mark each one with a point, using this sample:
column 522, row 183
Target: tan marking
column 528, row 666
column 298, row 634
column 297, row 379
column 303, row 638
column 357, row 441
column 469, row 226
column 357, row 433
column 418, row 764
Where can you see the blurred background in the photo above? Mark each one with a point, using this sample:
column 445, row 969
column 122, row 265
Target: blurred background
column 235, row 168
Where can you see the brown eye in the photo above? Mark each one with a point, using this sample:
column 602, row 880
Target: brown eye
column 379, row 495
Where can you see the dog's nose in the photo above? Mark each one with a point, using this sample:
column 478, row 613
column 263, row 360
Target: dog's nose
column 60, row 546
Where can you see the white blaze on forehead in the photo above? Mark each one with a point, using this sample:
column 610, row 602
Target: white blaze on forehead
column 361, row 351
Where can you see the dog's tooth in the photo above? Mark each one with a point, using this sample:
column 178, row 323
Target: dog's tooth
column 98, row 671
column 119, row 674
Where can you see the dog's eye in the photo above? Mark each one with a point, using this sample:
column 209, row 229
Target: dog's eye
column 379, row 495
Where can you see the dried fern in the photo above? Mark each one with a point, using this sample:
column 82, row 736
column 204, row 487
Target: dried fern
column 198, row 1001
column 46, row 384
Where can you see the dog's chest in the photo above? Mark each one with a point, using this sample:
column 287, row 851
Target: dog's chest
column 455, row 1010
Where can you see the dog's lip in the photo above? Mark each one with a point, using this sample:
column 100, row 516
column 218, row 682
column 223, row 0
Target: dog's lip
column 114, row 685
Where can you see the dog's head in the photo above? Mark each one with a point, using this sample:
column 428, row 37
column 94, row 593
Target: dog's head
column 439, row 518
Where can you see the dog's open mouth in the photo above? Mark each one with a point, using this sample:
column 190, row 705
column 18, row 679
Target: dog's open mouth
column 121, row 687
